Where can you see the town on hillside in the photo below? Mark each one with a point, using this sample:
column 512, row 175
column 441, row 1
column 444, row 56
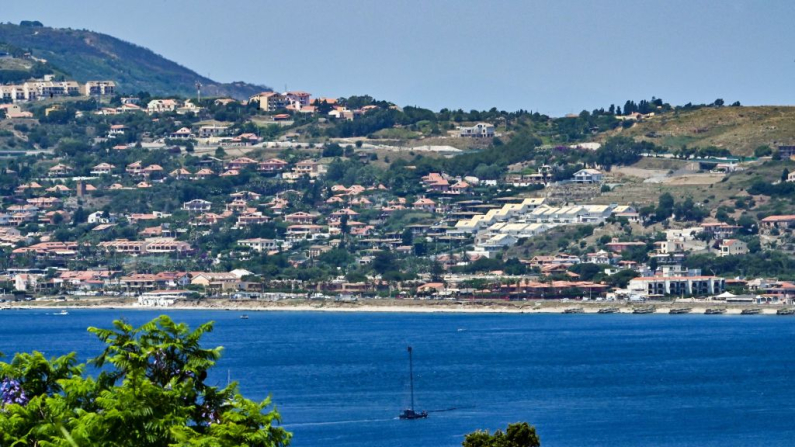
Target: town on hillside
column 286, row 196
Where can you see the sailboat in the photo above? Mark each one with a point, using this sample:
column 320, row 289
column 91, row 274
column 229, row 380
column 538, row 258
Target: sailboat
column 409, row 413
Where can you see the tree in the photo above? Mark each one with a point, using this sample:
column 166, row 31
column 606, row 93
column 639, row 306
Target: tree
column 407, row 237
column 344, row 225
column 57, row 219
column 763, row 151
column 337, row 257
column 332, row 150
column 587, row 271
column 622, row 151
column 323, row 107
column 79, row 216
column 665, row 206
column 437, row 271
column 520, row 434
column 621, row 279
column 383, row 261
column 784, row 175
column 151, row 391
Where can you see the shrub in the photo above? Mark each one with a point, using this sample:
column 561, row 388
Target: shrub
column 151, row 391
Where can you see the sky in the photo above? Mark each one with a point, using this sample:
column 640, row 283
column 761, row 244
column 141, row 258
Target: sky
column 555, row 57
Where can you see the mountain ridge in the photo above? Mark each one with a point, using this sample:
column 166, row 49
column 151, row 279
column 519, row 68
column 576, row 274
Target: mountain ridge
column 103, row 57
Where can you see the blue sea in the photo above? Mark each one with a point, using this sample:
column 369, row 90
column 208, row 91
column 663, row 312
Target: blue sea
column 340, row 379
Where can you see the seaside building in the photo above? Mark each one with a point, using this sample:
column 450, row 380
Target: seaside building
column 660, row 286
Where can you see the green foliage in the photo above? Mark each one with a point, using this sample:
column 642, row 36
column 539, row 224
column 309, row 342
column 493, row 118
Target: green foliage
column 758, row 263
column 622, row 151
column 586, row 270
column 337, row 257
column 520, row 434
column 37, row 70
column 367, row 124
column 520, row 148
column 763, row 151
column 151, row 391
column 383, row 262
column 332, row 150
column 762, row 187
column 621, row 279
column 667, row 206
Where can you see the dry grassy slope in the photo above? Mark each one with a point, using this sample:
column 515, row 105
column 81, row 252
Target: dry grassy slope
column 15, row 64
column 634, row 191
column 739, row 129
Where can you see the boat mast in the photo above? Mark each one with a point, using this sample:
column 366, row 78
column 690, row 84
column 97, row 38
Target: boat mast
column 411, row 379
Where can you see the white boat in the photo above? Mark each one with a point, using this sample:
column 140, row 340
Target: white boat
column 63, row 312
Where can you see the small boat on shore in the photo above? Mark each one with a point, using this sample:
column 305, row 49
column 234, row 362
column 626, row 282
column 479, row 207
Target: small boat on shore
column 715, row 311
column 644, row 310
column 679, row 310
column 608, row 310
column 786, row 311
column 752, row 311
column 574, row 310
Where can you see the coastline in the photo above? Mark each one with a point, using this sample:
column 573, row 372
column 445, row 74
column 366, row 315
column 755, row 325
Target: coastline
column 393, row 306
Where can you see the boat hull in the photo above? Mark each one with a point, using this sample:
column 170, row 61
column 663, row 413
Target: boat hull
column 411, row 415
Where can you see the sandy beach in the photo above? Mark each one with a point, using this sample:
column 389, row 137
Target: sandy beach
column 394, row 306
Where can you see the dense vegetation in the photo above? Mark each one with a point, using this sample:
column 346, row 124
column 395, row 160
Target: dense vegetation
column 517, row 435
column 763, row 264
column 152, row 391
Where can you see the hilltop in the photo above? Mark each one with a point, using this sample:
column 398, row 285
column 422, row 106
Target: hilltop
column 86, row 55
column 738, row 129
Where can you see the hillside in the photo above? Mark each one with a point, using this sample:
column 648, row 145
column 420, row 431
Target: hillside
column 86, row 55
column 738, row 129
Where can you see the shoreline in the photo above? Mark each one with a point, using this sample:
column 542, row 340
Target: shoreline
column 394, row 306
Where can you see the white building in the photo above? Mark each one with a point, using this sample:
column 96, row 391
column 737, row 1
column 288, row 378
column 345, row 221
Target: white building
column 161, row 105
column 677, row 285
column 197, row 206
column 494, row 245
column 265, row 245
column 212, row 130
column 26, row 282
column 588, row 176
column 586, row 146
column 479, row 130
column 162, row 298
column 731, row 247
column 97, row 218
column 100, row 88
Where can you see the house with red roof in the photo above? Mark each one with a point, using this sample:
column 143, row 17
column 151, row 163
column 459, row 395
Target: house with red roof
column 778, row 222
column 272, row 165
column 241, row 163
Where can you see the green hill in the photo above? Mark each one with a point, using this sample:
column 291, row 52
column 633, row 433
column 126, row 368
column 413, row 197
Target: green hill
column 738, row 129
column 86, row 55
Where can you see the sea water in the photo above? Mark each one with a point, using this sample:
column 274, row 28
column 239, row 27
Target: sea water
column 341, row 379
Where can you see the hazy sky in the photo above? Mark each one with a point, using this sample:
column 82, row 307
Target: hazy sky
column 555, row 56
